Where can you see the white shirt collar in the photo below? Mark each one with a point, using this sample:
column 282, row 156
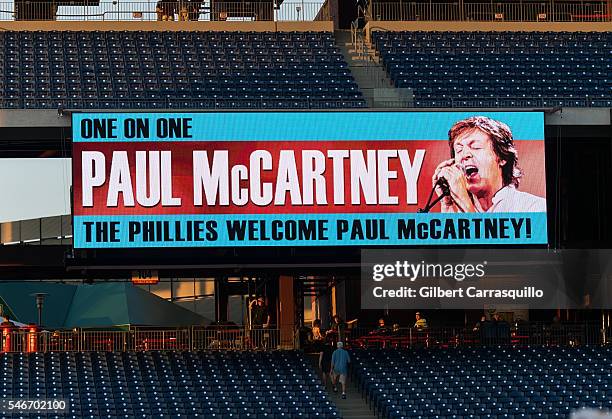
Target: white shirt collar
column 502, row 194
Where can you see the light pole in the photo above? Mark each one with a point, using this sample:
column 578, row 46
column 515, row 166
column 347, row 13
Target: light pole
column 40, row 299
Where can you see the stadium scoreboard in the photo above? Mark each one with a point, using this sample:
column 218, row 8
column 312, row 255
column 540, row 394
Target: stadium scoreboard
column 303, row 179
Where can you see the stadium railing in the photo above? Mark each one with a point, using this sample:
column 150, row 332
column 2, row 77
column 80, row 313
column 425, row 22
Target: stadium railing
column 289, row 11
column 182, row 103
column 410, row 101
column 497, row 334
column 31, row 339
column 193, row 338
column 497, row 102
column 547, row 11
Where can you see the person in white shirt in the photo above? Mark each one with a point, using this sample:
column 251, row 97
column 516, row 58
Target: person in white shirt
column 483, row 173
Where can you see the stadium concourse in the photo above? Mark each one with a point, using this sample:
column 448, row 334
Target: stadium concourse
column 251, row 330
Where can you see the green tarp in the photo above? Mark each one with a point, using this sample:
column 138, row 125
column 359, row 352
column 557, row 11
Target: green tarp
column 18, row 297
column 96, row 306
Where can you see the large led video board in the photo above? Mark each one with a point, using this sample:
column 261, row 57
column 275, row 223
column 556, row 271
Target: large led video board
column 308, row 179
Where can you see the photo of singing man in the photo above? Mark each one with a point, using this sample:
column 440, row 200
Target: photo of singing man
column 482, row 174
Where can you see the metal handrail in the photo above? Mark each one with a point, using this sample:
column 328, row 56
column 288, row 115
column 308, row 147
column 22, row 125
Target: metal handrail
column 360, row 44
column 498, row 334
column 306, row 103
column 165, row 10
column 181, row 103
column 30, row 339
column 546, row 11
column 187, row 338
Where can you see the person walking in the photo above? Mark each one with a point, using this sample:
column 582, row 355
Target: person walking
column 339, row 368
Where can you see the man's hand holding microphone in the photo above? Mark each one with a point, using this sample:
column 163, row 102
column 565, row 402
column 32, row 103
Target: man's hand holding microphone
column 453, row 175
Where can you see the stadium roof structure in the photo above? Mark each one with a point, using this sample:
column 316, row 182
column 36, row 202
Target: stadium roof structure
column 94, row 306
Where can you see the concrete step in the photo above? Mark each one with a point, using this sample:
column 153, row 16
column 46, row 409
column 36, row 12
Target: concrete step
column 343, row 36
column 362, row 60
column 354, row 406
column 370, row 75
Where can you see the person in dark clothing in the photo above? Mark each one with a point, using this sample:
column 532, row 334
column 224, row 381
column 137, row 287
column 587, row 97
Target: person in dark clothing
column 168, row 8
column 502, row 330
column 259, row 313
column 338, row 328
column 325, row 362
column 159, row 11
column 260, row 319
column 479, row 324
column 194, row 9
column 382, row 327
column 487, row 332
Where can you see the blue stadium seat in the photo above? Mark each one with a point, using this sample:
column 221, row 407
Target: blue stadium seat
column 500, row 382
column 169, row 383
column 535, row 68
column 102, row 69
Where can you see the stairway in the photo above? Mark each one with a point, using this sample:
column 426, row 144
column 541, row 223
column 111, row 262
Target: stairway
column 354, row 406
column 370, row 75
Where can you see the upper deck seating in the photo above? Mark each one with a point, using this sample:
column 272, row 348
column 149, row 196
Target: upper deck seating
column 192, row 70
column 498, row 69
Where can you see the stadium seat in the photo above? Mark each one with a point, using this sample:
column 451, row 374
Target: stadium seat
column 499, row 69
column 493, row 381
column 114, row 70
column 161, row 384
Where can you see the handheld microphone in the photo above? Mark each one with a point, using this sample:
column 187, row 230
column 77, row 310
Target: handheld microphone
column 443, row 183
column 444, row 186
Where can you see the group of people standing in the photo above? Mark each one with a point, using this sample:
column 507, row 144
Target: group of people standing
column 420, row 324
column 186, row 10
column 336, row 332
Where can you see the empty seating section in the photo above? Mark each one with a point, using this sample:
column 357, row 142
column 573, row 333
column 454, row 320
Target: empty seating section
column 105, row 69
column 492, row 382
column 168, row 384
column 500, row 68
